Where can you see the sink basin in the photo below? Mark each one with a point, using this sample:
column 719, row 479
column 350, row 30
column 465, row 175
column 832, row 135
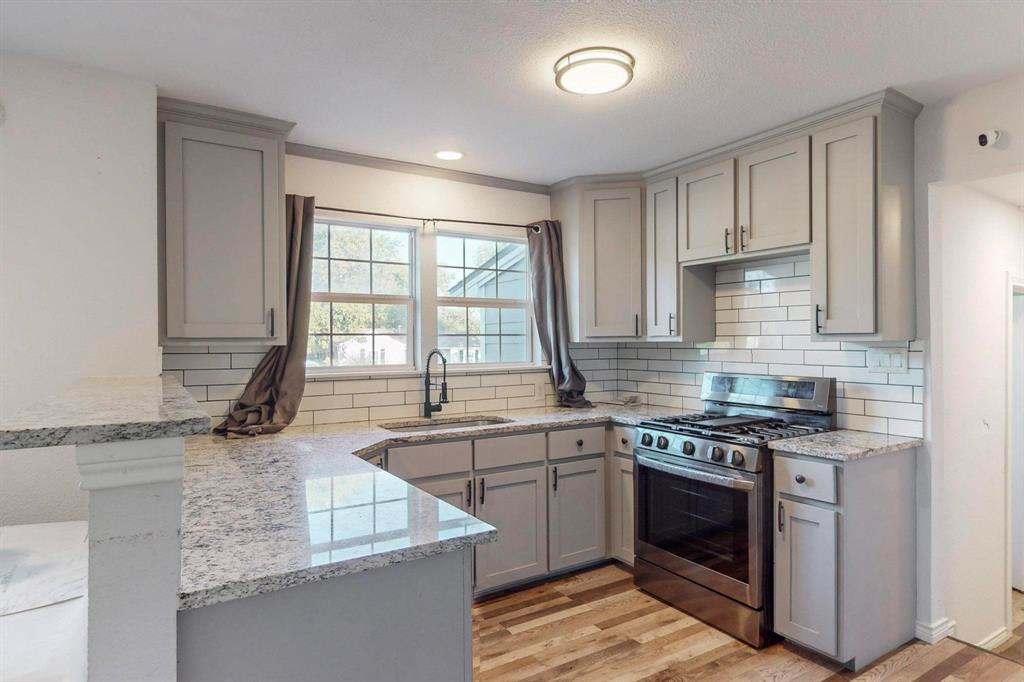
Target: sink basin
column 444, row 423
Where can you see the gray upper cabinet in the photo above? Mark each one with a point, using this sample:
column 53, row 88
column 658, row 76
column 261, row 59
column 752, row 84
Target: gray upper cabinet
column 706, row 219
column 612, row 267
column 862, row 258
column 222, row 220
column 774, row 196
column 843, row 253
column 602, row 257
column 576, row 508
column 662, row 265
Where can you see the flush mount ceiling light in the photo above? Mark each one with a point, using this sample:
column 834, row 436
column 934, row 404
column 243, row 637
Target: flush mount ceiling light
column 448, row 155
column 594, row 70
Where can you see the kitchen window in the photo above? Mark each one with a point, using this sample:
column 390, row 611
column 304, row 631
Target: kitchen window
column 483, row 306
column 361, row 309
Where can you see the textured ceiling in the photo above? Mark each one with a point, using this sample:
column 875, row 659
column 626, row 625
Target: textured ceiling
column 404, row 79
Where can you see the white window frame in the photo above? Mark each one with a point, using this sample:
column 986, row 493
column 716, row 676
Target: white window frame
column 423, row 303
column 531, row 344
column 410, row 302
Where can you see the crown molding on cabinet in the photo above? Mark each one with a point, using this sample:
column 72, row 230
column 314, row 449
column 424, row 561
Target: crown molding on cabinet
column 607, row 179
column 168, row 108
column 888, row 97
column 354, row 159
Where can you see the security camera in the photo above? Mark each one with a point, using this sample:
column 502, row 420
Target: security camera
column 988, row 138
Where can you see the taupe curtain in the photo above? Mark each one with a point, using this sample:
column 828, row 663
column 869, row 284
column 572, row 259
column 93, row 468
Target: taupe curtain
column 551, row 313
column 271, row 398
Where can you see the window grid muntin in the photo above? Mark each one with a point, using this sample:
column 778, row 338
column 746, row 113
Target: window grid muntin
column 332, row 297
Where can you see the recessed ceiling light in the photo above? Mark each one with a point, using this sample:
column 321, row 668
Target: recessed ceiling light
column 448, row 155
column 594, row 70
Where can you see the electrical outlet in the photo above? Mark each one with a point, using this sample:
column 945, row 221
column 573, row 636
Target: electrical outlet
column 888, row 360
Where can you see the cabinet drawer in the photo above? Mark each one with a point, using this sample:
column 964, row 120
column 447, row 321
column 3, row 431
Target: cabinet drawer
column 573, row 442
column 508, row 450
column 623, row 437
column 433, row 459
column 813, row 480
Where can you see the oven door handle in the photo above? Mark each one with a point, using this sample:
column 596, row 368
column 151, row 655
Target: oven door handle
column 695, row 474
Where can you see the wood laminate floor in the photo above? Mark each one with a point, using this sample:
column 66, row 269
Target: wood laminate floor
column 1013, row 648
column 596, row 625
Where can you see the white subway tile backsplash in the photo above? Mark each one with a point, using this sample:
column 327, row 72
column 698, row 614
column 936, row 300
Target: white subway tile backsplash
column 772, row 334
column 756, row 301
column 197, row 361
column 769, row 271
column 845, row 358
column 760, row 314
column 762, row 327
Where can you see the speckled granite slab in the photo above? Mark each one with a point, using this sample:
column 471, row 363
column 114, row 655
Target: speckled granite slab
column 274, row 511
column 42, row 564
column 845, row 445
column 106, row 410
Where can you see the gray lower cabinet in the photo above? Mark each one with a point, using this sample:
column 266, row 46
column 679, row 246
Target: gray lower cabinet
column 806, row 589
column 457, row 492
column 844, row 552
column 515, row 503
column 620, row 503
column 576, row 513
column 222, row 225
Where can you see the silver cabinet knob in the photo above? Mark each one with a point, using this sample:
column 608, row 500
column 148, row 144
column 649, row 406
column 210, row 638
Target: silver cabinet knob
column 800, row 478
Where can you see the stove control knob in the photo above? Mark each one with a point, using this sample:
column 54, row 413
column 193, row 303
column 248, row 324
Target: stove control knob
column 688, row 448
column 646, row 440
column 717, row 454
column 736, row 458
column 662, row 442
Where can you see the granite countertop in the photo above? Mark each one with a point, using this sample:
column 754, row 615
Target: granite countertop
column 106, row 410
column 278, row 510
column 845, row 445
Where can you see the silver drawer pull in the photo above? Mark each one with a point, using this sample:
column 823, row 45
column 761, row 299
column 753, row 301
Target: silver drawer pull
column 800, row 478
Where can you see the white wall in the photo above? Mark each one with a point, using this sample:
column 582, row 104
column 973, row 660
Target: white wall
column 945, row 150
column 78, row 245
column 1017, row 445
column 977, row 240
column 384, row 191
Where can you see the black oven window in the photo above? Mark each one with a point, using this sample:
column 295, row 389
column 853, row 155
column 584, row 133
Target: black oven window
column 704, row 523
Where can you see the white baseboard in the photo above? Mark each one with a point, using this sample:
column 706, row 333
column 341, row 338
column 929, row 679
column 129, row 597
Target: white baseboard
column 934, row 632
column 996, row 638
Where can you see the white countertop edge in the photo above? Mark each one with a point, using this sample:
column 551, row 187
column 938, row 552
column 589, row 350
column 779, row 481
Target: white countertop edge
column 243, row 588
column 845, row 445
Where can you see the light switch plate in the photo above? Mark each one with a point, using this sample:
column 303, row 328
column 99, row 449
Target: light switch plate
column 888, row 360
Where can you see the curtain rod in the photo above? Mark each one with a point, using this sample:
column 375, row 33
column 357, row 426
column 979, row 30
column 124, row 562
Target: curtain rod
column 428, row 220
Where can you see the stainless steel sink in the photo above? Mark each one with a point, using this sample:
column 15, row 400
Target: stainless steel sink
column 441, row 424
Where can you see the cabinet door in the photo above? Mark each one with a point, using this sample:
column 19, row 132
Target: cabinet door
column 621, row 505
column 707, row 212
column 515, row 503
column 576, row 512
column 775, row 196
column 224, row 235
column 458, row 492
column 843, row 252
column 662, row 284
column 806, row 576
column 612, row 262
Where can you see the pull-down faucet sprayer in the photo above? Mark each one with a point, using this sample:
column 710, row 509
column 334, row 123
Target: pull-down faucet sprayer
column 428, row 407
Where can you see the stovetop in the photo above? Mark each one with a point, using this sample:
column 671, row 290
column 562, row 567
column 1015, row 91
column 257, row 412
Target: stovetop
column 745, row 429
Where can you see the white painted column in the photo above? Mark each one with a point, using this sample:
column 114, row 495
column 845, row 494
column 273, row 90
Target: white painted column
column 134, row 557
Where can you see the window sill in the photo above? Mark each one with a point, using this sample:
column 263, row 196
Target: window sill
column 399, row 373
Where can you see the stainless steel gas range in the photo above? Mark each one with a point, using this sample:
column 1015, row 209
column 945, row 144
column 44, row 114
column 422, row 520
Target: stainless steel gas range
column 703, row 491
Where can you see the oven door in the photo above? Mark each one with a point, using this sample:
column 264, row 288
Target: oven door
column 702, row 523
